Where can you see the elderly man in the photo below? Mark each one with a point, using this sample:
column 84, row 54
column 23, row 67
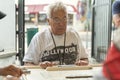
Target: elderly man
column 56, row 44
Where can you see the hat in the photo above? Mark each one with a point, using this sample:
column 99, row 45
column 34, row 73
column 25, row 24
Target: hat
column 2, row 15
column 116, row 7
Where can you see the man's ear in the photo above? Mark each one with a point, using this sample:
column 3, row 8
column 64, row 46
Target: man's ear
column 48, row 20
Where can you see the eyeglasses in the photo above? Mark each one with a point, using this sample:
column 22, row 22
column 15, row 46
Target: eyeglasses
column 58, row 20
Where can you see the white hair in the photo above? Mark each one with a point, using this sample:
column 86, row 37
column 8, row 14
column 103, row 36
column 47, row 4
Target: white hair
column 116, row 38
column 54, row 7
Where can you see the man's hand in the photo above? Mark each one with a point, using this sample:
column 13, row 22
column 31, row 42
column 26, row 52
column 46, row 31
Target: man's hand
column 12, row 70
column 82, row 62
column 46, row 64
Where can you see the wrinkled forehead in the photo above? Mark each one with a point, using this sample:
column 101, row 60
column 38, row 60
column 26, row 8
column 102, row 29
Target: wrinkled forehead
column 59, row 13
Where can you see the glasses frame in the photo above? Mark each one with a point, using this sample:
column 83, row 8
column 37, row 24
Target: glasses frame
column 58, row 20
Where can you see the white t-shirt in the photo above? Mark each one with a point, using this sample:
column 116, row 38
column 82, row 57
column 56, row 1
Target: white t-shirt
column 42, row 47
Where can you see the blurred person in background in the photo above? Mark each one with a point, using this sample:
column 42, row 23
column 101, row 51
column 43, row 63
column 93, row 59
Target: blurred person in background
column 115, row 16
column 111, row 65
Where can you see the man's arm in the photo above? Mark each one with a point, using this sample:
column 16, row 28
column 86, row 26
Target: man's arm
column 85, row 59
column 82, row 62
column 43, row 65
column 29, row 64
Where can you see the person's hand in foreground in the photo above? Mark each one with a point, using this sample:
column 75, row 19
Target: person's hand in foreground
column 11, row 70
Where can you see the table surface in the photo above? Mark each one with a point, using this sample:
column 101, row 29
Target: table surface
column 42, row 74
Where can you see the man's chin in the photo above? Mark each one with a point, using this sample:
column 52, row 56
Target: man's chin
column 60, row 32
